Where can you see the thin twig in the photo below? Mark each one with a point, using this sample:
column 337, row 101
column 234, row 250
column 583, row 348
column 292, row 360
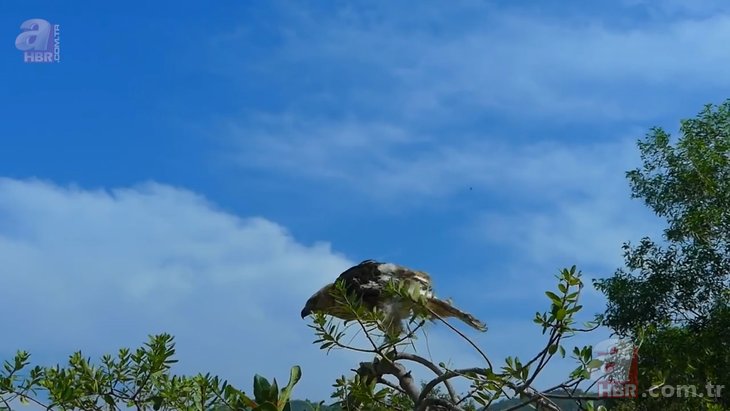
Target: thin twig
column 462, row 335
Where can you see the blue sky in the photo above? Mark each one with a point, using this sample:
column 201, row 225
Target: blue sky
column 202, row 168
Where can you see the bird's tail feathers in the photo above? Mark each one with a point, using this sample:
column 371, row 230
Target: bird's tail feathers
column 444, row 310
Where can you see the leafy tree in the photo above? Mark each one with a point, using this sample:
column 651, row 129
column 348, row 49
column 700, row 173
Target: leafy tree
column 139, row 379
column 672, row 296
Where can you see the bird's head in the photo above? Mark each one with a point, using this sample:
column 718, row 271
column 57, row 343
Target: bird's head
column 321, row 301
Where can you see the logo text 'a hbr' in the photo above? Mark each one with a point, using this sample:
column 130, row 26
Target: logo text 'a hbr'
column 40, row 41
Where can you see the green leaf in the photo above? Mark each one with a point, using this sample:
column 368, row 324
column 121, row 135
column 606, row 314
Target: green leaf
column 594, row 364
column 156, row 402
column 552, row 349
column 261, row 389
column 554, row 297
column 274, row 392
column 295, row 374
column 524, row 373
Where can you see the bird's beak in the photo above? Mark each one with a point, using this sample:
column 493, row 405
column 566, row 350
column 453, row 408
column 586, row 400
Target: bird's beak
column 305, row 312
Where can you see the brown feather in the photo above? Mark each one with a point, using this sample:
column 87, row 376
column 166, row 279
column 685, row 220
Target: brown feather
column 444, row 309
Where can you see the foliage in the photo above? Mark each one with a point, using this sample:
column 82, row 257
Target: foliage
column 385, row 383
column 688, row 184
column 140, row 380
column 673, row 295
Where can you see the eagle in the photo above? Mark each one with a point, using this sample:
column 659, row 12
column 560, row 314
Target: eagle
column 367, row 281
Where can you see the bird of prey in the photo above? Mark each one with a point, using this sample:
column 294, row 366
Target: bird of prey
column 367, row 281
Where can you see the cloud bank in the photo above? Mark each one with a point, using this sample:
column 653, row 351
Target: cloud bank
column 100, row 269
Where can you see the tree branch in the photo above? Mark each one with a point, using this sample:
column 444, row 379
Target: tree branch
column 376, row 369
column 433, row 367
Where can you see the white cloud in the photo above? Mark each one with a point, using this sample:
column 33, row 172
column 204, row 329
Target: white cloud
column 441, row 61
column 407, row 93
column 583, row 211
column 96, row 270
column 316, row 149
column 387, row 162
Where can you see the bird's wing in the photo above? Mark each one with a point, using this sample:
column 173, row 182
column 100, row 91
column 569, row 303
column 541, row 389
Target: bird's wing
column 363, row 280
column 370, row 277
column 396, row 272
